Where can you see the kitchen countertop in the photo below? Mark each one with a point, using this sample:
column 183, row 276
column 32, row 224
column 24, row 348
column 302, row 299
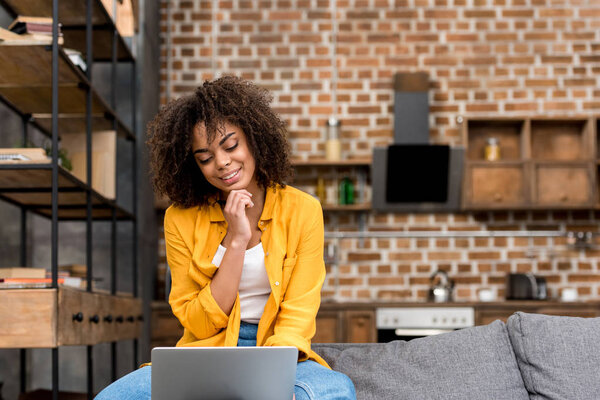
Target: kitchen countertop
column 336, row 305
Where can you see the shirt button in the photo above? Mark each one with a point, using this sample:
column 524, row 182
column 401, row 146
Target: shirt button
column 277, row 283
column 267, row 253
column 262, row 223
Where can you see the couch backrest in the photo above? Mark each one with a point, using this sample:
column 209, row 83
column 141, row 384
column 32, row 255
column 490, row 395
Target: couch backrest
column 559, row 357
column 475, row 363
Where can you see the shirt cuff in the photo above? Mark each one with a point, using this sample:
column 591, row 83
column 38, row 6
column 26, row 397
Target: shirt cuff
column 212, row 309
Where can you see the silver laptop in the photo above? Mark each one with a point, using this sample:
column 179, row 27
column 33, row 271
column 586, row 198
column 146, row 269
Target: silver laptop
column 223, row 373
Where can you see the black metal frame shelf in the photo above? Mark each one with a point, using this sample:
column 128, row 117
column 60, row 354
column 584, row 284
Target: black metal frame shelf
column 69, row 103
column 27, row 88
column 29, row 186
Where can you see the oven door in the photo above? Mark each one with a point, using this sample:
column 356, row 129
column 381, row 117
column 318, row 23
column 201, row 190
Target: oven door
column 407, row 323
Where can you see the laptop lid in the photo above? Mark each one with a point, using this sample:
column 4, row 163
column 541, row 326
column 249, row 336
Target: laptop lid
column 223, row 373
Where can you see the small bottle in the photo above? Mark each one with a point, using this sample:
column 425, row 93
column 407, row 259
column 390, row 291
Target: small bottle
column 333, row 146
column 492, row 149
column 346, row 192
column 342, row 192
column 321, row 194
column 349, row 192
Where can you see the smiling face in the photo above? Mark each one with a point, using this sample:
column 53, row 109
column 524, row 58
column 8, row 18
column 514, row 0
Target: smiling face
column 227, row 162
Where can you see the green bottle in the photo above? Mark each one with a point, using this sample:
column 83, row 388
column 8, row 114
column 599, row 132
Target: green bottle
column 349, row 192
column 346, row 192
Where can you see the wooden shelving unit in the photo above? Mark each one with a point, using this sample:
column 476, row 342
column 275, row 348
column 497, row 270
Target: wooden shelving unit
column 30, row 186
column 355, row 168
column 546, row 163
column 29, row 85
column 72, row 16
column 26, row 84
column 321, row 162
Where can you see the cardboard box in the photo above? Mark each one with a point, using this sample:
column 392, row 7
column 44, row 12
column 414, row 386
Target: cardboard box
column 104, row 159
column 126, row 18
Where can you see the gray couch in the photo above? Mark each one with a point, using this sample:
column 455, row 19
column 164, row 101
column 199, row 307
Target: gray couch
column 532, row 356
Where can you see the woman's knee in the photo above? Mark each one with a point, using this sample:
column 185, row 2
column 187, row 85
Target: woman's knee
column 314, row 381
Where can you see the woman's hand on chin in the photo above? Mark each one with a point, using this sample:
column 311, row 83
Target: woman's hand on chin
column 238, row 225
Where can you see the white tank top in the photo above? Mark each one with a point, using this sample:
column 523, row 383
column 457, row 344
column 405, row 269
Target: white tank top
column 254, row 286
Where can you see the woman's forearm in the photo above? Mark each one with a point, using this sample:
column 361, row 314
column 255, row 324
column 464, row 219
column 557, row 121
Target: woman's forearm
column 226, row 281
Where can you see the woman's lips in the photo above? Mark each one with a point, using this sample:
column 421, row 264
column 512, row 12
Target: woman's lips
column 233, row 179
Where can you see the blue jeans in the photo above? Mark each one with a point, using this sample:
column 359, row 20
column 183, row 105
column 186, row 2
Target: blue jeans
column 313, row 381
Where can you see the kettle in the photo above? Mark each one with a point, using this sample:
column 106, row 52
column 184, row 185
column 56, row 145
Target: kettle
column 442, row 291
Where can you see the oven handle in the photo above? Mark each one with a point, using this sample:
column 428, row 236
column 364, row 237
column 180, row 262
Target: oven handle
column 420, row 332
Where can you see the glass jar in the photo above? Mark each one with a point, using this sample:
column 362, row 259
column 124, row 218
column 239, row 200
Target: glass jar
column 333, row 146
column 492, row 149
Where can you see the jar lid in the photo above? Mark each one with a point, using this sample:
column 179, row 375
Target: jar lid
column 492, row 141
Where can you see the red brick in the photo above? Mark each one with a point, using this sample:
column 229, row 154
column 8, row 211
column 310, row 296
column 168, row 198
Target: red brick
column 380, row 281
column 408, row 256
column 443, row 255
column 484, row 255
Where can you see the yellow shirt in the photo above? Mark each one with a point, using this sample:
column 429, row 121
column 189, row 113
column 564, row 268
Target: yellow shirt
column 292, row 237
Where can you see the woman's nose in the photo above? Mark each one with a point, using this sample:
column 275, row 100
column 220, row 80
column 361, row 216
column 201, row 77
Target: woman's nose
column 223, row 160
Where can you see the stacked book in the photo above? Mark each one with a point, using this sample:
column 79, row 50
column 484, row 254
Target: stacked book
column 32, row 278
column 29, row 30
column 20, row 277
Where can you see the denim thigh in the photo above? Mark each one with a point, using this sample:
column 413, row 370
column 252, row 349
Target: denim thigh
column 133, row 386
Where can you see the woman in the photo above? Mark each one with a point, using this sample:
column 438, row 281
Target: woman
column 245, row 250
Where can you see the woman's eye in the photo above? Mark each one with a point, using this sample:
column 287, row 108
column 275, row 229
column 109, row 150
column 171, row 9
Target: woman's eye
column 232, row 147
column 204, row 161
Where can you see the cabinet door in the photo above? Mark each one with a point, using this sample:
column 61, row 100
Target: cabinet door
column 562, row 185
column 360, row 327
column 165, row 328
column 328, row 328
column 496, row 186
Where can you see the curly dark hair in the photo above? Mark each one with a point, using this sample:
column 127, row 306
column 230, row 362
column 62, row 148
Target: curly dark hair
column 228, row 99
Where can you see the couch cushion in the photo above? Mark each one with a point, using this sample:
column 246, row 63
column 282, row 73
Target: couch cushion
column 559, row 357
column 474, row 363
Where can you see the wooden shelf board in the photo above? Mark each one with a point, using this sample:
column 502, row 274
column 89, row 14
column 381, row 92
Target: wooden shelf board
column 26, row 84
column 76, row 123
column 327, row 163
column 72, row 16
column 351, row 207
column 501, row 163
column 30, row 186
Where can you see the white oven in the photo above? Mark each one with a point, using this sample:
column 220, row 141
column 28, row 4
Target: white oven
column 406, row 323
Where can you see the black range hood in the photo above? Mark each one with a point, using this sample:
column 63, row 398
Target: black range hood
column 413, row 175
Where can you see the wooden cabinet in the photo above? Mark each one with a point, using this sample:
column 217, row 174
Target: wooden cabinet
column 563, row 185
column 360, row 326
column 544, row 163
column 498, row 185
column 165, row 329
column 356, row 323
column 486, row 313
column 44, row 318
column 328, row 327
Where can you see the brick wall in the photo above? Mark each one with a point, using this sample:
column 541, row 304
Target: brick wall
column 489, row 58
